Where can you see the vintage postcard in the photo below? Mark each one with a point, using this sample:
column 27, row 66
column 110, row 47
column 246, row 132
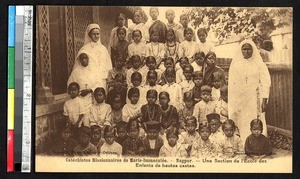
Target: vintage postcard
column 164, row 89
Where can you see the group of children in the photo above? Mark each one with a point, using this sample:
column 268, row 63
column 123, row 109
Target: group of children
column 156, row 102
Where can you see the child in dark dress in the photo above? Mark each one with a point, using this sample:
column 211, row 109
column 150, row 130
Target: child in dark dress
column 198, row 80
column 152, row 141
column 120, row 50
column 256, row 143
column 121, row 132
column 187, row 110
column 169, row 112
column 118, row 90
column 97, row 139
column 85, row 147
column 151, row 111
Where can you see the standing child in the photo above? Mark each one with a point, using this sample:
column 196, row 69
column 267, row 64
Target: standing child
column 132, row 109
column 256, row 143
column 198, row 81
column 113, row 39
column 187, row 110
column 205, row 106
column 136, row 80
column 184, row 21
column 121, row 132
column 172, row 148
column 188, row 47
column 116, row 113
column 232, row 145
column 170, row 15
column 73, row 108
column 173, row 89
column 110, row 147
column 118, row 90
column 100, row 113
column 150, row 111
column 136, row 67
column 217, row 136
column 199, row 59
column 152, row 142
column 118, row 69
column 133, row 145
column 85, row 147
column 169, row 112
column 171, row 45
column 155, row 49
column 137, row 47
column 217, row 84
column 187, row 84
column 204, row 46
column 222, row 106
column 139, row 25
column 203, row 147
column 156, row 24
column 190, row 136
column 120, row 50
column 97, row 136
column 183, row 63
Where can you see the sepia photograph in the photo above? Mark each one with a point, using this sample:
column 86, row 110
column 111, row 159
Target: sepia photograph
column 163, row 89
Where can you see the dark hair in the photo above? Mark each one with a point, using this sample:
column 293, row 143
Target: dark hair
column 191, row 118
column 150, row 72
column 224, row 90
column 137, row 30
column 132, row 91
column 135, row 57
column 119, row 15
column 186, row 30
column 256, row 122
column 168, row 58
column 201, row 53
column 153, row 8
column 164, row 93
column 183, row 15
column 204, row 125
column 172, row 131
column 121, row 125
column 85, row 129
column 73, row 84
column 210, row 53
column 172, row 31
column 151, row 92
column 100, row 89
column 228, row 122
column 136, row 74
column 183, row 58
column 201, row 30
column 198, row 74
column 82, row 55
column 189, row 95
column 121, row 28
column 189, row 67
column 169, row 72
column 95, row 126
column 108, row 129
column 150, row 58
column 119, row 77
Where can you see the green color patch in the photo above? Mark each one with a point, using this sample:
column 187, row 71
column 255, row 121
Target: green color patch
column 11, row 67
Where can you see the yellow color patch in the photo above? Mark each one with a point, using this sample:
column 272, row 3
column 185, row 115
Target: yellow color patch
column 11, row 109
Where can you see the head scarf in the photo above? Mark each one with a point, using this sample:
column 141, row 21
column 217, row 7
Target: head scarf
column 87, row 38
column 255, row 55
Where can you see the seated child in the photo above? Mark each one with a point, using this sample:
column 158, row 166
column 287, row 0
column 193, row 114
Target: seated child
column 169, row 63
column 217, row 84
column 256, row 143
column 133, row 108
column 121, row 132
column 151, row 65
column 217, row 135
column 199, row 59
column 116, row 112
column 85, row 147
column 136, row 79
column 119, row 51
column 198, row 81
column 119, row 69
column 187, row 84
column 65, row 144
column 150, row 111
column 204, row 45
column 118, row 90
column 188, row 47
column 183, row 62
column 100, row 113
column 172, row 148
column 133, row 145
column 191, row 135
column 205, row 106
column 187, row 110
column 173, row 89
column 152, row 141
column 222, row 106
column 204, row 147
column 169, row 112
column 152, row 79
column 97, row 136
column 136, row 67
column 110, row 147
column 232, row 145
column 73, row 108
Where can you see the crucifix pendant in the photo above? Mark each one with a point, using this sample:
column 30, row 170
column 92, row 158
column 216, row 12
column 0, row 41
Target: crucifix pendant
column 246, row 78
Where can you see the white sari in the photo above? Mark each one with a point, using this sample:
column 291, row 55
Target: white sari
column 87, row 78
column 249, row 82
column 100, row 56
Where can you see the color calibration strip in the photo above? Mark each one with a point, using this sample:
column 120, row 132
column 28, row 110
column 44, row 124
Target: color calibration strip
column 11, row 88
